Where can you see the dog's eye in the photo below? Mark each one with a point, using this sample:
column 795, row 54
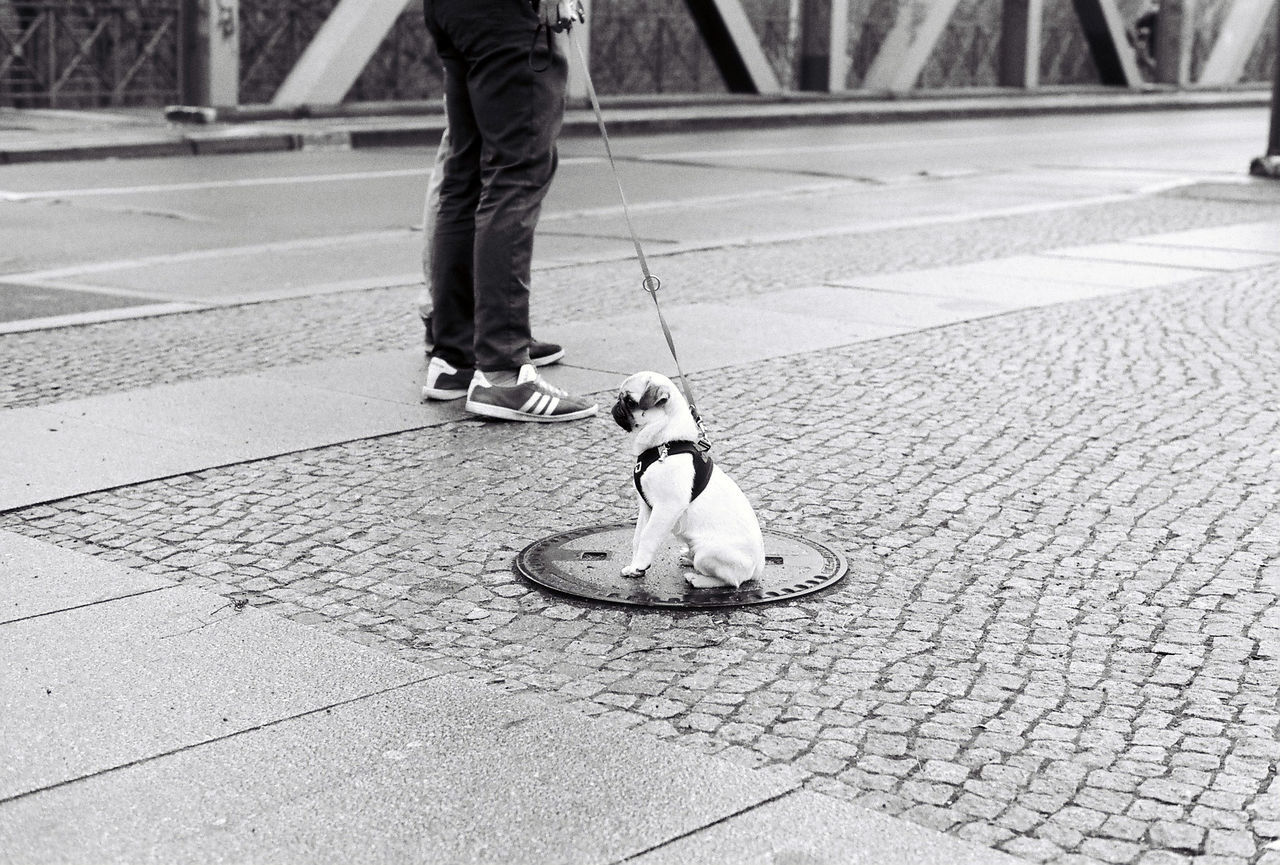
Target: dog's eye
column 628, row 400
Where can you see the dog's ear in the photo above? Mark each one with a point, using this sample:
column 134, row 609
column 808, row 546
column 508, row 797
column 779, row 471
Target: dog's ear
column 653, row 396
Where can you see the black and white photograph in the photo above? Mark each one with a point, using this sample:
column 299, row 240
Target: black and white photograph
column 660, row 432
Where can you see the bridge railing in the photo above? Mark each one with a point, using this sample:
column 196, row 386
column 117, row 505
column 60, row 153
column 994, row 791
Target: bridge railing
column 87, row 53
column 58, row 54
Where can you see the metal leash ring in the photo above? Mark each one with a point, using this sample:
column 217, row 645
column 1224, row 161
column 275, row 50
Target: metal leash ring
column 651, row 284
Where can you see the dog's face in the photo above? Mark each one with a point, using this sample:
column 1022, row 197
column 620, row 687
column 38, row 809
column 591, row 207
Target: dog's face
column 642, row 398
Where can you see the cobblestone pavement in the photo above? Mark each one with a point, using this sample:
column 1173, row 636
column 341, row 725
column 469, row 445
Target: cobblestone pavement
column 1059, row 635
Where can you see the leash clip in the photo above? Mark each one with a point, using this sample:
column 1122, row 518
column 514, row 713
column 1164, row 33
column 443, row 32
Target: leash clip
column 704, row 443
column 651, row 284
column 564, row 25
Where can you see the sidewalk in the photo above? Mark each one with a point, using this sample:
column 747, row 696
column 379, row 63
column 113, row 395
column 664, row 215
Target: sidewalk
column 258, row 618
column 147, row 722
column 42, row 135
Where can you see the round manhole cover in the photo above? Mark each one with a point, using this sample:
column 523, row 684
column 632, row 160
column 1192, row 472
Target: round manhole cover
column 588, row 563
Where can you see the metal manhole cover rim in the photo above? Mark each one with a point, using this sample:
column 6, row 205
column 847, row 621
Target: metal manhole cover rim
column 835, row 568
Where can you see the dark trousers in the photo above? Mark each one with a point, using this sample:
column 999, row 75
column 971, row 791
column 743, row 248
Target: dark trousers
column 504, row 118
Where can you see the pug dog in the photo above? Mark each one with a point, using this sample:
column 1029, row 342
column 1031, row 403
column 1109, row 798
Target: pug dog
column 681, row 492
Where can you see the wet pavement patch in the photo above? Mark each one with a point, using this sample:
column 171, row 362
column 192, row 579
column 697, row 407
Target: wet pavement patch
column 588, row 563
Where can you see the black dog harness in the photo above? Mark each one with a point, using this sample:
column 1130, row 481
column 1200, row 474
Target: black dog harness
column 702, row 465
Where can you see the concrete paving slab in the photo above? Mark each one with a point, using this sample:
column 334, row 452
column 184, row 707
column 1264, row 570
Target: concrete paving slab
column 441, row 771
column 808, row 829
column 40, row 578
column 1248, row 237
column 98, row 687
column 1169, row 256
column 707, row 336
column 580, row 380
column 389, row 376
column 96, row 443
column 893, row 309
column 1007, row 290
column 52, row 456
column 1097, row 272
column 556, row 248
column 248, row 416
column 398, row 376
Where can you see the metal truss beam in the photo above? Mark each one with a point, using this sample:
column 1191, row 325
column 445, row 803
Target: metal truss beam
column 906, row 48
column 1237, row 37
column 1175, row 37
column 1104, row 30
column 734, row 47
column 339, row 52
column 1020, row 43
column 839, row 72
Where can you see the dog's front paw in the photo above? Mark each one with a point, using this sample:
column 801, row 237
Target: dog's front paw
column 633, row 572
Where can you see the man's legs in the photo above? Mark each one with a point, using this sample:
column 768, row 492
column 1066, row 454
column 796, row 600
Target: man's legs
column 452, row 245
column 504, row 118
column 430, row 205
column 540, row 353
column 517, row 112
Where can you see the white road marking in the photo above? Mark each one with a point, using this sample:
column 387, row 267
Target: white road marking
column 207, row 254
column 63, row 285
column 239, row 183
column 54, row 322
column 1002, row 141
column 212, row 184
column 704, row 201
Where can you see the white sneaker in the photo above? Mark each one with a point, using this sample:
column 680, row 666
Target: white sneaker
column 445, row 381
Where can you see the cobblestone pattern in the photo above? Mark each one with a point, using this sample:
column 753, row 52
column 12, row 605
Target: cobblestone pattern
column 47, row 366
column 1059, row 637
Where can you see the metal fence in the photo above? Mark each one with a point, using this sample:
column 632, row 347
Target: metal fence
column 61, row 54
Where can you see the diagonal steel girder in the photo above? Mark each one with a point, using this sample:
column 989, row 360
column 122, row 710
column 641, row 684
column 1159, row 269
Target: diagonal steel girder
column 734, row 46
column 1104, row 30
column 354, row 30
column 906, row 48
column 1239, row 33
column 920, row 25
column 339, row 52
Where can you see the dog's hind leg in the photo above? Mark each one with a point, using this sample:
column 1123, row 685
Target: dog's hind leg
column 718, row 569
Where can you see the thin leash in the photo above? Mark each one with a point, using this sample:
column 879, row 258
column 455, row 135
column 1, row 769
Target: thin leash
column 650, row 283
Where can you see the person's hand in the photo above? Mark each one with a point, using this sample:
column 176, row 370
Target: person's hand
column 559, row 15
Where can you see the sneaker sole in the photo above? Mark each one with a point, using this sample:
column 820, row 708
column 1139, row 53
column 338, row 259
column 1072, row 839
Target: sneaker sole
column 547, row 360
column 499, row 413
column 441, row 394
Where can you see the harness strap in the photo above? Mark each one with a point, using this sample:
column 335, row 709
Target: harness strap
column 651, row 283
column 702, row 465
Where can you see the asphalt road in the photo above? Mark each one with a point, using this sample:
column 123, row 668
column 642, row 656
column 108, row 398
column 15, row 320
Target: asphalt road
column 225, row 230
